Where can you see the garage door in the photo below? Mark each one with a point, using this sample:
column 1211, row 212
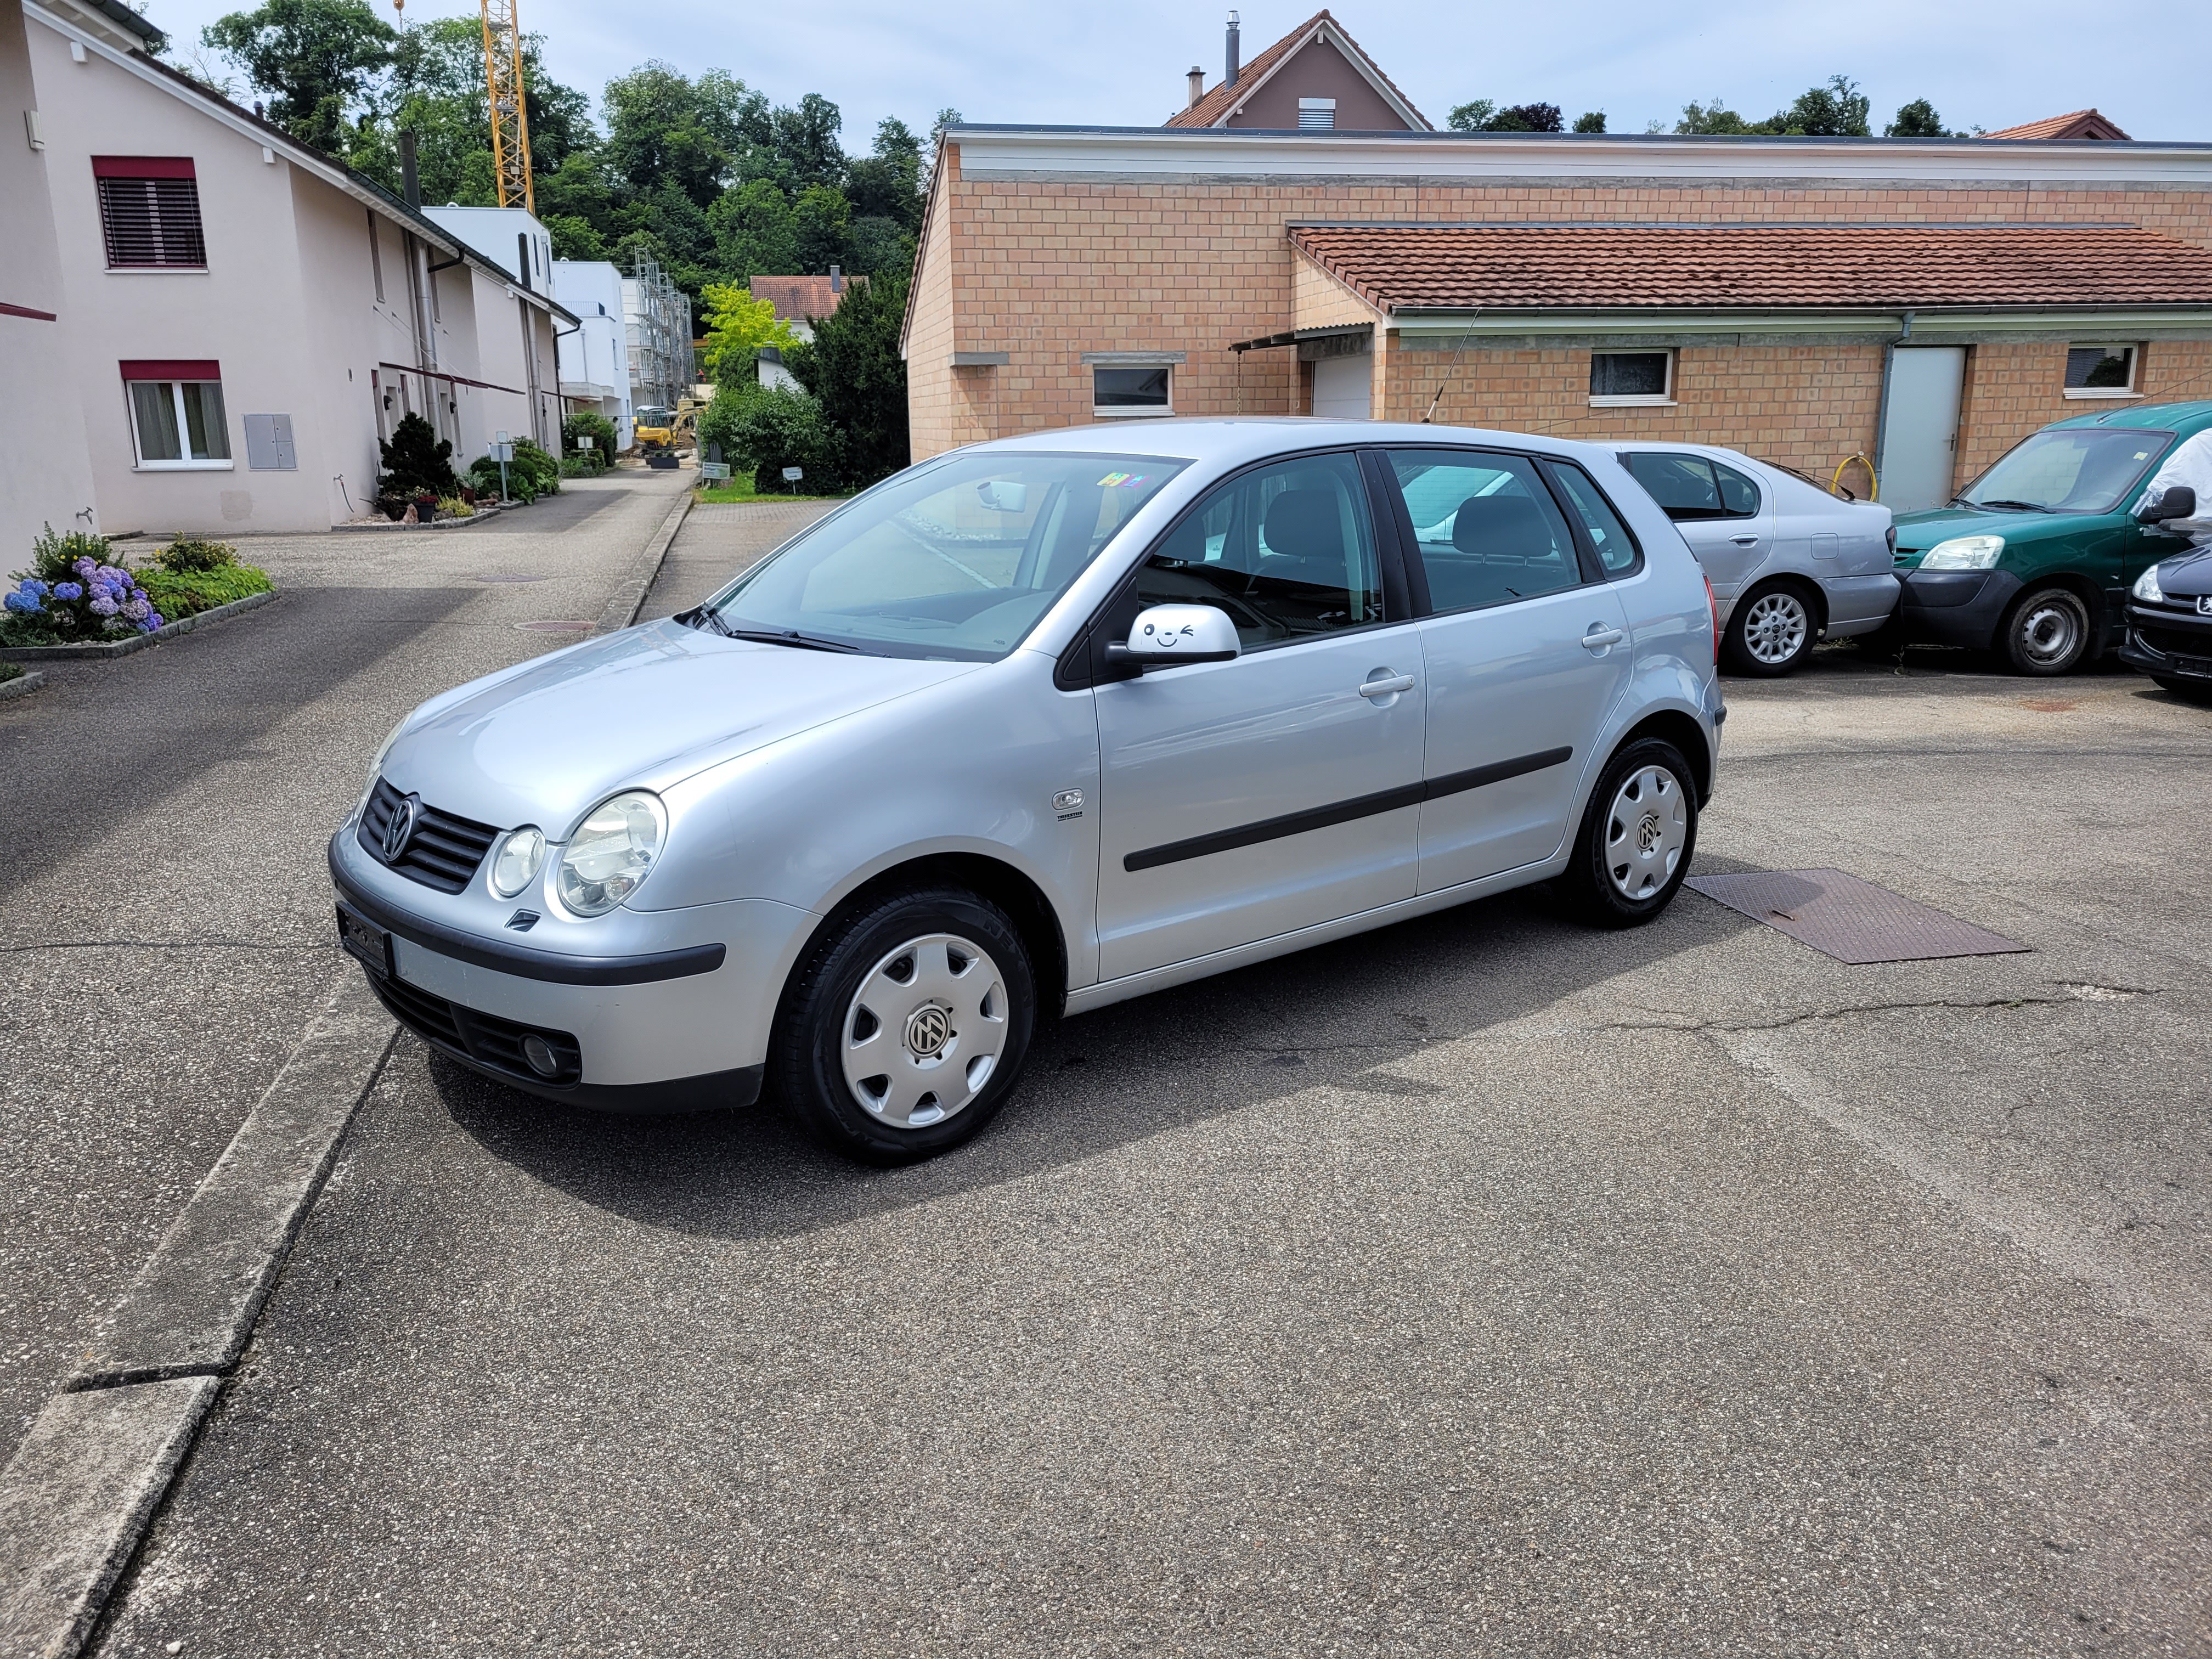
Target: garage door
column 1342, row 386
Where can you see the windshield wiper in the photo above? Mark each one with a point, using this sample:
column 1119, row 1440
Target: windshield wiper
column 2020, row 507
column 790, row 636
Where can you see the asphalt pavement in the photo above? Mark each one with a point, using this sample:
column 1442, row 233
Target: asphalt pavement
column 1479, row 1285
column 166, row 933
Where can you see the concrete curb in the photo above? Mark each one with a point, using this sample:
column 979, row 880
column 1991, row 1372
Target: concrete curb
column 629, row 597
column 137, row 641
column 22, row 686
column 385, row 526
column 76, row 1497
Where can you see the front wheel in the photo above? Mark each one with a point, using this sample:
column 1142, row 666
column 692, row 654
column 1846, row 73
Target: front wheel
column 907, row 1025
column 1770, row 631
column 1637, row 837
column 2046, row 633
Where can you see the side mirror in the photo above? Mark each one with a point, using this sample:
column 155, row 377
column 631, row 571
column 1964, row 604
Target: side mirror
column 2175, row 501
column 1167, row 635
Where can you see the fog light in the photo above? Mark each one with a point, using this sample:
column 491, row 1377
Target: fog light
column 539, row 1053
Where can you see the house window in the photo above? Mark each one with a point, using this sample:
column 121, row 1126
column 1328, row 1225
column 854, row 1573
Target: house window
column 1631, row 377
column 1138, row 390
column 150, row 212
column 1316, row 111
column 176, row 414
column 2100, row 370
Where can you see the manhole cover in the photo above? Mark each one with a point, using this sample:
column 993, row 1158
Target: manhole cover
column 555, row 627
column 1850, row 920
column 514, row 578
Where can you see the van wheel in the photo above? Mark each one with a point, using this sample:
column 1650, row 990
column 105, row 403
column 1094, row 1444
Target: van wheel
column 1637, row 837
column 2046, row 633
column 906, row 1025
column 1770, row 631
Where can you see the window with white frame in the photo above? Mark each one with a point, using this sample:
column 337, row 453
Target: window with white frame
column 1625, row 378
column 1316, row 111
column 177, row 420
column 1131, row 389
column 2100, row 370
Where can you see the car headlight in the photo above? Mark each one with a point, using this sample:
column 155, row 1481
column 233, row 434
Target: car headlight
column 521, row 855
column 611, row 853
column 1963, row 553
column 2146, row 585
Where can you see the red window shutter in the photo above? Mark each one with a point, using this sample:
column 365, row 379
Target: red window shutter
column 172, row 369
column 142, row 167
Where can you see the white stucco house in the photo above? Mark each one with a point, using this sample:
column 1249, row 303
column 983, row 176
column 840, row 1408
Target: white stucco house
column 594, row 356
column 243, row 318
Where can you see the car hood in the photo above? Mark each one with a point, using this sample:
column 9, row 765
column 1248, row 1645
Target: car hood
column 1918, row 531
column 2187, row 575
column 644, row 708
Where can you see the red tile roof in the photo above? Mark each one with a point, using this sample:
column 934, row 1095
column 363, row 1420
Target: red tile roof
column 1396, row 267
column 1224, row 98
column 800, row 299
column 2081, row 124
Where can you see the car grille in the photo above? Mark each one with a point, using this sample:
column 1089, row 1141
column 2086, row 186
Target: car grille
column 485, row 1038
column 2178, row 642
column 443, row 851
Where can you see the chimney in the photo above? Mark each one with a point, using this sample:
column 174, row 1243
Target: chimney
column 836, row 280
column 1197, row 85
column 410, row 183
column 1235, row 54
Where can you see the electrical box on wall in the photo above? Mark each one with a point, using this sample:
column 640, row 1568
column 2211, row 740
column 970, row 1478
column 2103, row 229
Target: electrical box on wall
column 269, row 444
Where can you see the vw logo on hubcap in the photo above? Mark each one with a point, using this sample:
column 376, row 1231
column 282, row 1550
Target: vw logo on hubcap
column 1647, row 833
column 399, row 828
column 928, row 1029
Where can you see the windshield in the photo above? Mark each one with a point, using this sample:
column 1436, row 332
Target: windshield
column 2069, row 469
column 956, row 559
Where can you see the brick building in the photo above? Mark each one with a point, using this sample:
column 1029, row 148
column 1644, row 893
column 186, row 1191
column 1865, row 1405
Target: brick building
column 1921, row 303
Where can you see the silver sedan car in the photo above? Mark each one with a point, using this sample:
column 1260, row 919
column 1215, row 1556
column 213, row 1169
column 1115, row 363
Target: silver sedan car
column 1790, row 564
column 1025, row 730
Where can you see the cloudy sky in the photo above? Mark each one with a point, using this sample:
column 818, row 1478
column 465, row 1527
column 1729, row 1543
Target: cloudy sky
column 1984, row 62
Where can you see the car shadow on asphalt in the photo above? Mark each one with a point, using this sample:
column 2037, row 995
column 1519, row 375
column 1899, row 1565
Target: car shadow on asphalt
column 551, row 513
column 1337, row 1016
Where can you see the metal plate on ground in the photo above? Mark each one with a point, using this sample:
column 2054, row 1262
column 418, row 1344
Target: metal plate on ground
column 1850, row 920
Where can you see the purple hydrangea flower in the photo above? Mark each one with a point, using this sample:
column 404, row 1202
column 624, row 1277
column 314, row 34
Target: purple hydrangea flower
column 69, row 590
column 103, row 606
column 137, row 592
column 136, row 610
column 154, row 620
column 84, row 567
column 32, row 587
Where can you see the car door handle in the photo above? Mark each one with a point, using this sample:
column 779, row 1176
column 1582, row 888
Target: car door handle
column 1389, row 687
column 1602, row 638
column 1745, row 541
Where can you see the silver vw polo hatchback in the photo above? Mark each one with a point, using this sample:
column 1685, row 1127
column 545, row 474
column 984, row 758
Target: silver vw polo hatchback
column 1025, row 730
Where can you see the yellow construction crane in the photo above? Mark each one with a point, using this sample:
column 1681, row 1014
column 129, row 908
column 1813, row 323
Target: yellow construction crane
column 503, row 92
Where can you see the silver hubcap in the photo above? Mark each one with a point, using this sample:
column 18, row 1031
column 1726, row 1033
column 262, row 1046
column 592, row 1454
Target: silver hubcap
column 2049, row 634
column 1646, row 832
column 1774, row 628
column 924, row 1032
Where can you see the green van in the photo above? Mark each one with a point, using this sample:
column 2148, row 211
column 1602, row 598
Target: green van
column 2034, row 560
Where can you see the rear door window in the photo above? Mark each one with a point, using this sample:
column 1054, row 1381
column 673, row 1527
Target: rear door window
column 1613, row 541
column 1683, row 485
column 1486, row 527
column 1739, row 495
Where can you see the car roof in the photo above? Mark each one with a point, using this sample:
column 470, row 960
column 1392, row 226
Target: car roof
column 2192, row 417
column 1233, row 439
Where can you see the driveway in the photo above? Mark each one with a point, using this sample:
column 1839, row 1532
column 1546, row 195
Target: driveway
column 1482, row 1284
column 167, row 929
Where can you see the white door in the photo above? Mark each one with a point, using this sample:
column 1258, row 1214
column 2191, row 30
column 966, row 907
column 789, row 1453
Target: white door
column 1342, row 387
column 1920, row 426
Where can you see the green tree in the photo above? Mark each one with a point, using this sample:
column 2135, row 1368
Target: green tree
column 1836, row 109
column 1918, row 119
column 753, row 232
column 659, row 134
column 806, row 140
column 737, row 326
column 1472, row 118
column 1592, row 122
column 821, row 225
column 854, row 372
column 887, row 184
column 877, row 248
column 1485, row 116
column 316, row 59
column 1713, row 119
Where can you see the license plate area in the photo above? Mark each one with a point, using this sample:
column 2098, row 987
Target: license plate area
column 366, row 942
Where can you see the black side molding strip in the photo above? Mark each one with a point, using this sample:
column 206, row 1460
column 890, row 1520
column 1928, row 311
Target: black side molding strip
column 553, row 967
column 1343, row 811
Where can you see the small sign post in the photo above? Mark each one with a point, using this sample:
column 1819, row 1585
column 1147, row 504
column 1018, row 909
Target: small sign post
column 714, row 469
column 502, row 451
column 792, row 475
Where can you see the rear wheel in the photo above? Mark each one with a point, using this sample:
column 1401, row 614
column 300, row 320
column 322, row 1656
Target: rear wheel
column 1771, row 631
column 2046, row 633
column 1637, row 837
column 907, row 1025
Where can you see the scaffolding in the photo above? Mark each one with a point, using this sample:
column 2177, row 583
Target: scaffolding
column 657, row 318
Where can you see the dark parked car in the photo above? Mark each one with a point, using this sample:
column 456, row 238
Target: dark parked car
column 2034, row 559
column 2170, row 615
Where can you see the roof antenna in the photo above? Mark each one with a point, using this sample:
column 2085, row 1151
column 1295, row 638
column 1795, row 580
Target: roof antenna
column 1451, row 369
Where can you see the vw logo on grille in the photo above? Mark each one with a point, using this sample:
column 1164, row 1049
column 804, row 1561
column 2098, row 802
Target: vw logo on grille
column 927, row 1029
column 399, row 828
column 2204, row 605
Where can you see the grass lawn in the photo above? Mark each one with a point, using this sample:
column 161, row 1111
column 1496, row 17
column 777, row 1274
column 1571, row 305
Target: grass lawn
column 738, row 489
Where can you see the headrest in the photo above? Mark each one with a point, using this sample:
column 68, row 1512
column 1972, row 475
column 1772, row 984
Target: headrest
column 1502, row 524
column 1303, row 524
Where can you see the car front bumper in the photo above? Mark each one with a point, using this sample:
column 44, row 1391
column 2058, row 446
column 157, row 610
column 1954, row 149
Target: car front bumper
column 1955, row 607
column 2175, row 645
column 681, row 1027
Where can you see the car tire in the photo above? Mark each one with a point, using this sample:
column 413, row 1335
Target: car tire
column 1771, row 631
column 2046, row 633
column 934, row 986
column 2199, row 691
column 1637, row 836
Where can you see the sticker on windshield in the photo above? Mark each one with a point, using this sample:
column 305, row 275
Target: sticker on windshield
column 1121, row 481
